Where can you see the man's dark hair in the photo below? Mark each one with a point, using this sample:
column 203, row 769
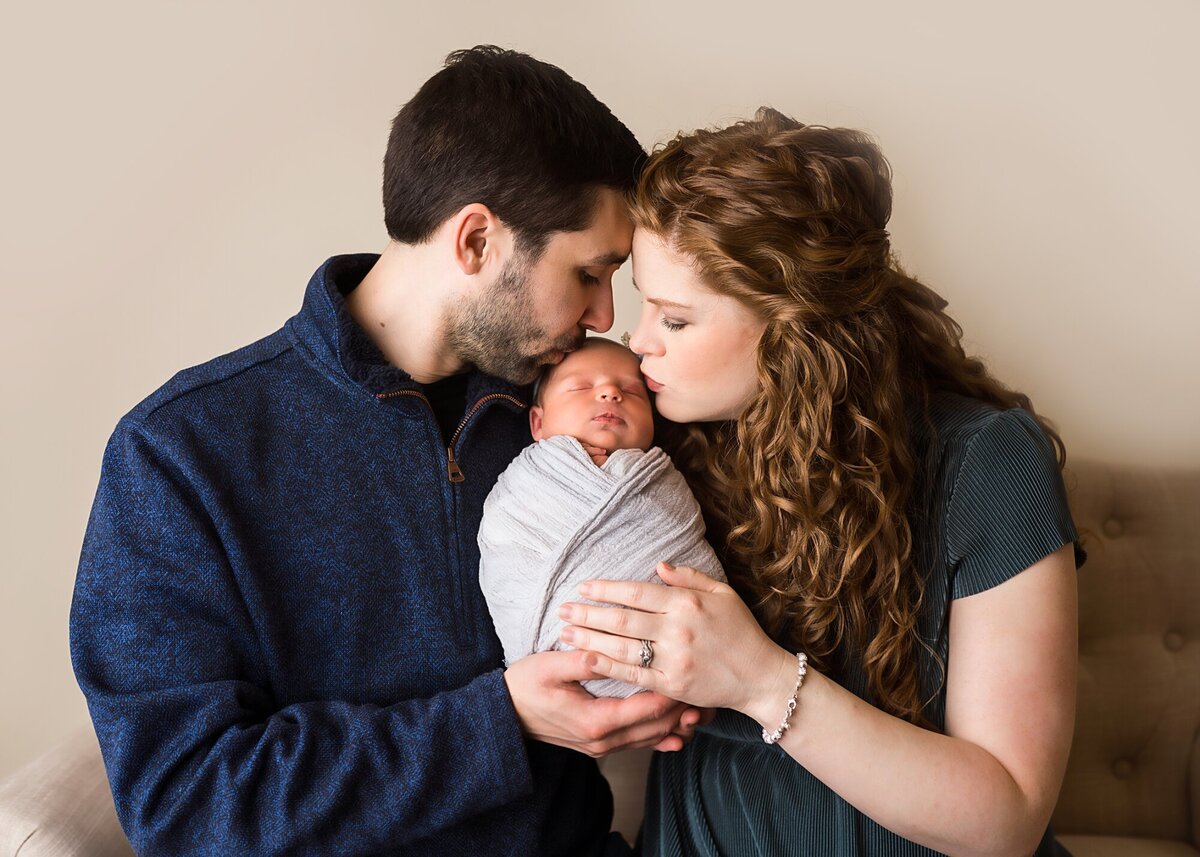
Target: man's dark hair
column 516, row 134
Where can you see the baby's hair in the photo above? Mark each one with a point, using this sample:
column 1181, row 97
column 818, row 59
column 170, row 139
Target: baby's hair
column 548, row 369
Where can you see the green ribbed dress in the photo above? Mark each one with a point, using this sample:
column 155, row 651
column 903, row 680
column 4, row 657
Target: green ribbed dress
column 988, row 504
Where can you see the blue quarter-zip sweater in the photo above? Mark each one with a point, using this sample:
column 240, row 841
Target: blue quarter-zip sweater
column 277, row 621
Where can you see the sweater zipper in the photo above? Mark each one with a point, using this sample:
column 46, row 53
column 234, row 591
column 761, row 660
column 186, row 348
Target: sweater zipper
column 453, row 471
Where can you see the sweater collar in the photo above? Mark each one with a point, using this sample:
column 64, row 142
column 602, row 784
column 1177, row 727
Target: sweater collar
column 326, row 328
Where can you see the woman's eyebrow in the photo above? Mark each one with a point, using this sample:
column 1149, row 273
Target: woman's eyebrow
column 661, row 301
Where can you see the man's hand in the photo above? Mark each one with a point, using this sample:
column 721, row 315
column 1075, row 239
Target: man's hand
column 554, row 708
column 599, row 455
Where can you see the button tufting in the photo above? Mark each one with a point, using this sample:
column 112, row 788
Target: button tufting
column 1122, row 769
column 1173, row 640
column 1113, row 528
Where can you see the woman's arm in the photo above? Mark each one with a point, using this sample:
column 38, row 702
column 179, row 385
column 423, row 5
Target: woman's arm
column 987, row 787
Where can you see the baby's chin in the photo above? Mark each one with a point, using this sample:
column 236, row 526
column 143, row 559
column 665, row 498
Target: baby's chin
column 610, row 440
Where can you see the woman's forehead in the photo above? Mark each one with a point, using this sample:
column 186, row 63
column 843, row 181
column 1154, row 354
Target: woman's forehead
column 665, row 276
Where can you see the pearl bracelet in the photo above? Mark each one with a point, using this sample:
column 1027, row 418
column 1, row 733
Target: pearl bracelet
column 801, row 669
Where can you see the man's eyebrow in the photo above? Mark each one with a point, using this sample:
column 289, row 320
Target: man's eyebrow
column 606, row 259
column 661, row 301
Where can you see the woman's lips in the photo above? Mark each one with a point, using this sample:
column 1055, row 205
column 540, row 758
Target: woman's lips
column 651, row 383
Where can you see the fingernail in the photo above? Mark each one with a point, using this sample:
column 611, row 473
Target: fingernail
column 667, row 565
column 585, row 589
column 568, row 634
column 564, row 612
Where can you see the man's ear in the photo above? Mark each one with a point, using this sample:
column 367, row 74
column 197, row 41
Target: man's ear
column 480, row 239
column 535, row 422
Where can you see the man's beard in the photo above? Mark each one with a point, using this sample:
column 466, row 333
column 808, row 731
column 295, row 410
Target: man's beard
column 497, row 333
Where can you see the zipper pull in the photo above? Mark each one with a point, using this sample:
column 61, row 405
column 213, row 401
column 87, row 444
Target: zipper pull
column 453, row 471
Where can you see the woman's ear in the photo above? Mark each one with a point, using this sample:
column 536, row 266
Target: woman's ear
column 535, row 422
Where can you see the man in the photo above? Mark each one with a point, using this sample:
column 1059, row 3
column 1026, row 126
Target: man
column 277, row 622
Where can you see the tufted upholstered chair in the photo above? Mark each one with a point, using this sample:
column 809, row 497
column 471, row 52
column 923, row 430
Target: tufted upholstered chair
column 1133, row 783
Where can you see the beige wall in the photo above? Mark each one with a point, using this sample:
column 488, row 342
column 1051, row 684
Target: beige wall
column 173, row 172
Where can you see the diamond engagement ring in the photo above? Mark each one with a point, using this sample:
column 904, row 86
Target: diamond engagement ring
column 647, row 654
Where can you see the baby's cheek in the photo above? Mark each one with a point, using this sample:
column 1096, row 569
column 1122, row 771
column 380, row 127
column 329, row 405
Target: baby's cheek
column 560, row 421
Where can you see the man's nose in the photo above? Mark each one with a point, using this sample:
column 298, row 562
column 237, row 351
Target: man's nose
column 598, row 315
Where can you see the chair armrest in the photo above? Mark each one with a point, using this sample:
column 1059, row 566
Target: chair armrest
column 60, row 804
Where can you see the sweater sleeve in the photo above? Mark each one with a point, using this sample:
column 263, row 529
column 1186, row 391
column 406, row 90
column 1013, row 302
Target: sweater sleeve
column 1008, row 508
column 199, row 758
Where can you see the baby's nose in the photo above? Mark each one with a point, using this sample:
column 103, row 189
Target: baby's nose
column 610, row 394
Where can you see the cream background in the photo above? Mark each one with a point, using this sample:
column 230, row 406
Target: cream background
column 172, row 173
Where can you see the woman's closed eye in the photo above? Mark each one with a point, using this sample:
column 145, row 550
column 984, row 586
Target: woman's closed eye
column 670, row 324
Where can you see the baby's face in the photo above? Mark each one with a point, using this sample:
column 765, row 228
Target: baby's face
column 597, row 396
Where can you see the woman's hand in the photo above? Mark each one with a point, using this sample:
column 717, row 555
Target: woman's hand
column 709, row 650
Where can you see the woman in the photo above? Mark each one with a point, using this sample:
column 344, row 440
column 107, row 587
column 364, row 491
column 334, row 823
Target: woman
column 887, row 511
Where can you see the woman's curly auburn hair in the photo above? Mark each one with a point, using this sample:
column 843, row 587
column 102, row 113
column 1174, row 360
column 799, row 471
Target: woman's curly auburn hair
column 807, row 492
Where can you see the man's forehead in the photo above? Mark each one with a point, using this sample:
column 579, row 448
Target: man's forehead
column 597, row 245
column 607, row 240
column 588, row 250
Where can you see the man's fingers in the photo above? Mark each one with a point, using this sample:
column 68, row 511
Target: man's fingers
column 613, row 717
column 568, row 666
column 642, row 707
column 650, row 733
column 688, row 721
column 670, row 744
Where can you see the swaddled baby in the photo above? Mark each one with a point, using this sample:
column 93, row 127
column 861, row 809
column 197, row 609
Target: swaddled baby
column 592, row 498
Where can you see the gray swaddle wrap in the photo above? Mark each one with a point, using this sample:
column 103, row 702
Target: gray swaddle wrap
column 555, row 519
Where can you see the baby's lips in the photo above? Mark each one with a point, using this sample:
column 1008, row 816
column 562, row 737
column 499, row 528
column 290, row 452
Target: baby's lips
column 608, row 416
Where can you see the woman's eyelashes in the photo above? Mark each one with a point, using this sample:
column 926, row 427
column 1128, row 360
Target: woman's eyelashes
column 673, row 325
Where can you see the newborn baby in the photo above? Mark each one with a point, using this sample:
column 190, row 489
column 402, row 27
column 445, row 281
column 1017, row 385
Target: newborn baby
column 592, row 498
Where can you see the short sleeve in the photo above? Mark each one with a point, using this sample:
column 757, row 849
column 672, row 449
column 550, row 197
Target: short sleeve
column 1008, row 507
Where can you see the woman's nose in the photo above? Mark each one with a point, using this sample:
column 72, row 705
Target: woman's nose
column 642, row 341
